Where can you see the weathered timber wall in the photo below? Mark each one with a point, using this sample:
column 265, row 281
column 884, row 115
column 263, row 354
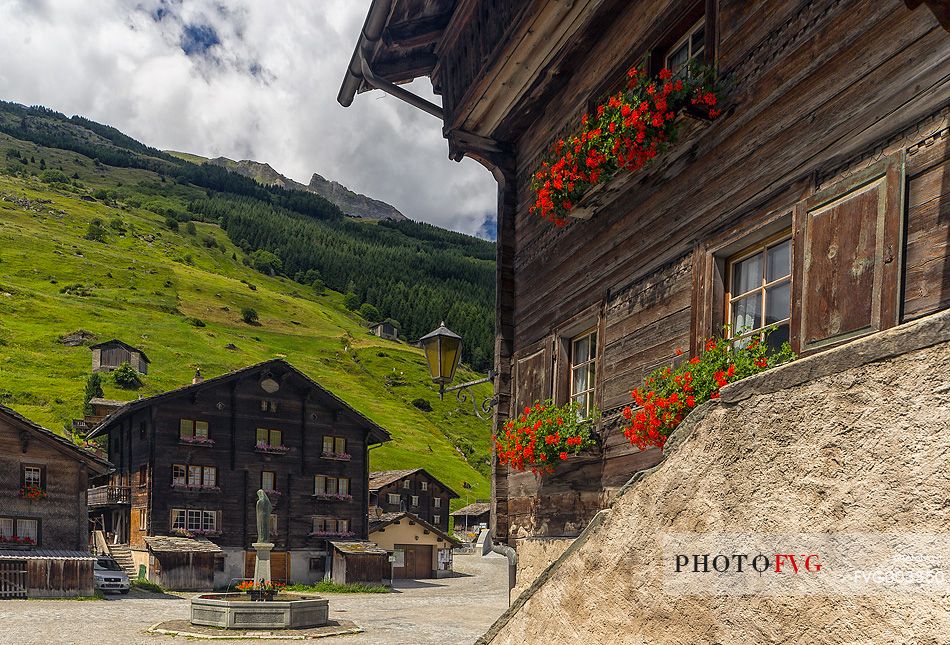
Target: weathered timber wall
column 816, row 92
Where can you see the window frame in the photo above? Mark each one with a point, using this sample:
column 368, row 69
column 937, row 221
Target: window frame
column 593, row 336
column 40, row 471
column 270, row 435
column 196, row 428
column 686, row 39
column 760, row 247
column 18, row 521
column 437, row 502
column 393, row 496
column 414, row 501
column 182, row 479
column 273, row 475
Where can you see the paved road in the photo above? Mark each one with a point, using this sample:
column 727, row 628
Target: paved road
column 446, row 611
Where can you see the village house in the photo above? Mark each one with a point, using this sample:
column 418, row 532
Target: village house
column 420, row 549
column 469, row 520
column 189, row 463
column 414, row 491
column 385, row 330
column 111, row 354
column 44, row 527
column 813, row 197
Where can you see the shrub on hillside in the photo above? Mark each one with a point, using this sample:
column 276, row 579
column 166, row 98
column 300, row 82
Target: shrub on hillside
column 95, row 231
column 190, row 228
column 171, row 223
column 369, row 312
column 249, row 315
column 93, row 390
column 126, row 377
column 54, row 177
column 265, row 262
column 351, row 301
column 422, row 404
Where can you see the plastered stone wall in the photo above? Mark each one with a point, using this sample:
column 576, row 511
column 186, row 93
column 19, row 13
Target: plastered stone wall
column 856, row 439
column 534, row 556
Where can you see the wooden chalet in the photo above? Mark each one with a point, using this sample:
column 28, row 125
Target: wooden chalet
column 468, row 520
column 189, row 463
column 414, row 491
column 830, row 164
column 44, row 530
column 385, row 330
column 111, row 354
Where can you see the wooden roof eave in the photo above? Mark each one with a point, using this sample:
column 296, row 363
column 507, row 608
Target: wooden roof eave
column 536, row 40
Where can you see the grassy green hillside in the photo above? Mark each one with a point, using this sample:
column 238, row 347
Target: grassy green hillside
column 150, row 286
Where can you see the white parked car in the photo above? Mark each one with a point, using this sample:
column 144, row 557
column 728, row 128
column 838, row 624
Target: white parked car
column 110, row 576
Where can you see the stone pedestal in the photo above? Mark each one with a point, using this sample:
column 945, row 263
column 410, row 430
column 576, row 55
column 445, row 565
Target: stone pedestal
column 262, row 561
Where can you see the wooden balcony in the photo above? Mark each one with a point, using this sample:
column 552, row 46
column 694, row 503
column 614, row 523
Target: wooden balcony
column 109, row 496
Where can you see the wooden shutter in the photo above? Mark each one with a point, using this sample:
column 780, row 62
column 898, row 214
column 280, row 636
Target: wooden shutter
column 927, row 263
column 533, row 375
column 846, row 264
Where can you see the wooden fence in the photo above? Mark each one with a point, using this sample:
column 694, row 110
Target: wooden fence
column 12, row 579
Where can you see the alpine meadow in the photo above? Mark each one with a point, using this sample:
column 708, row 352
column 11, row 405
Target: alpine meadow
column 102, row 237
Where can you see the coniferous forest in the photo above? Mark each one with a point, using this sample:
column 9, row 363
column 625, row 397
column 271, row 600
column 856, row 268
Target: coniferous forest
column 413, row 273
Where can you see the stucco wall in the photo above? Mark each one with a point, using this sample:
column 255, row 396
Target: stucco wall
column 854, row 440
column 534, row 556
column 401, row 532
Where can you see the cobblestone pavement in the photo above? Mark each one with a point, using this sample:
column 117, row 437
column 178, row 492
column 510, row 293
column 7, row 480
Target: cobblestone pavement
column 445, row 611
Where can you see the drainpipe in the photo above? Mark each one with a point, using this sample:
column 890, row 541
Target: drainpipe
column 509, row 553
column 360, row 70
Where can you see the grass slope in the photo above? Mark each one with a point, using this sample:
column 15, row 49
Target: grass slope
column 146, row 283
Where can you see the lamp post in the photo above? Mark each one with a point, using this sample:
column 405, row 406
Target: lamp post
column 443, row 350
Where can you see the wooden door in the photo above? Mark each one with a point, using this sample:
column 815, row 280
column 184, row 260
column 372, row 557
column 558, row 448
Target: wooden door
column 279, row 565
column 417, row 562
column 13, row 579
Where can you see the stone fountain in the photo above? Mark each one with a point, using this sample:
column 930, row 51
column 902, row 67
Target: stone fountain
column 239, row 611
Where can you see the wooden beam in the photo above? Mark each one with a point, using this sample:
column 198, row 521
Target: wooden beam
column 417, row 33
column 405, row 68
column 940, row 9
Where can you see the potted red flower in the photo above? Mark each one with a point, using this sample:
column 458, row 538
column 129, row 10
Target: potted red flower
column 623, row 134
column 543, row 436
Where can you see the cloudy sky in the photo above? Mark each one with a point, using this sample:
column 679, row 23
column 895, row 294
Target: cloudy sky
column 245, row 79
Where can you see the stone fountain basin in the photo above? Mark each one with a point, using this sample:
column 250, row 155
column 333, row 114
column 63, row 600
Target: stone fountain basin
column 238, row 611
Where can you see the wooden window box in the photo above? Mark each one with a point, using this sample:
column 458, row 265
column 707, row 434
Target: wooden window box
column 328, row 534
column 332, row 497
column 268, row 449
column 606, row 192
column 196, row 441
column 337, row 456
column 196, row 489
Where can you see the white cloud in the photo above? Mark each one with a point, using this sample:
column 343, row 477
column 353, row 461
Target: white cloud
column 260, row 82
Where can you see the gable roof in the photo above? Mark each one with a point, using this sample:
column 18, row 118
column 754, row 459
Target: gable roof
column 478, row 508
column 116, row 341
column 389, row 518
column 382, row 478
column 100, row 466
column 377, row 432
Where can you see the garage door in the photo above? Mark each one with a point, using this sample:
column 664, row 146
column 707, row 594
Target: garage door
column 417, row 560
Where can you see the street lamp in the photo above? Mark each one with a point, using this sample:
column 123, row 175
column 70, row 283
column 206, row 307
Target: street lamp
column 443, row 350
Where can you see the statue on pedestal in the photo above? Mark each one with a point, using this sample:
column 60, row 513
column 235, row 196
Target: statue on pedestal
column 263, row 517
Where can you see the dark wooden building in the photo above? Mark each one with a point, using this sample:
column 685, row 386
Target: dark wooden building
column 830, row 163
column 385, row 330
column 414, row 491
column 111, row 354
column 470, row 519
column 190, row 461
column 44, row 527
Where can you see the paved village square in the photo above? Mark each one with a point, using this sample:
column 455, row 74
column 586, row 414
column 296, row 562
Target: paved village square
column 475, row 322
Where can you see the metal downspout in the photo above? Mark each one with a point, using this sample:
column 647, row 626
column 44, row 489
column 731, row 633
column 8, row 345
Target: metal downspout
column 512, row 556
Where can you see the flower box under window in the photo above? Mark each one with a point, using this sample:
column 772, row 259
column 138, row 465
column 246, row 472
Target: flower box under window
column 326, row 534
column 339, row 456
column 32, row 492
column 16, row 542
column 196, row 440
column 196, row 489
column 269, row 449
column 190, row 533
column 333, row 497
